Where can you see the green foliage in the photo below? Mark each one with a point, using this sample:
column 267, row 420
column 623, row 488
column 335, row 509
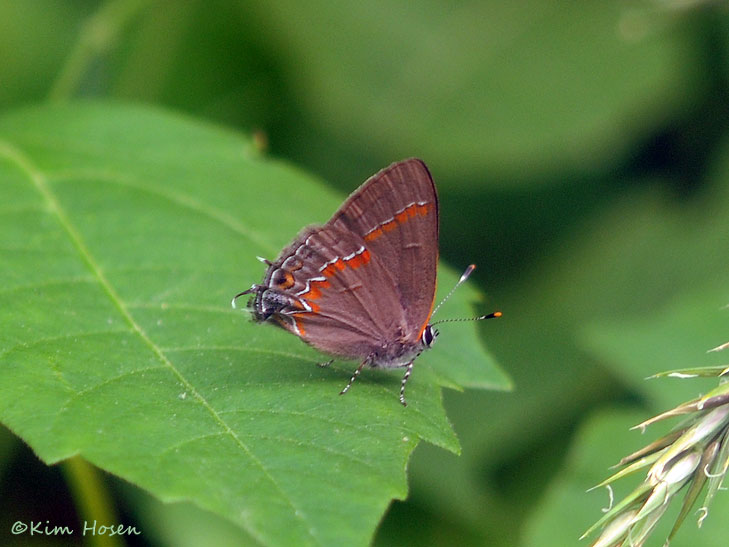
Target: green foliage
column 427, row 80
column 126, row 232
column 581, row 157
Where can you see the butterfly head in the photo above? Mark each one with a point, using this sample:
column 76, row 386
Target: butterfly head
column 265, row 302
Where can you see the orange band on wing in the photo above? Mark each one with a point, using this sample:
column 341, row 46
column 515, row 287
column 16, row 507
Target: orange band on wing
column 374, row 234
column 315, row 288
column 359, row 260
column 403, row 216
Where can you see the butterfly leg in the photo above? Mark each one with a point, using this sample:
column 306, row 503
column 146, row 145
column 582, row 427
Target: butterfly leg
column 354, row 376
column 325, row 364
column 404, row 381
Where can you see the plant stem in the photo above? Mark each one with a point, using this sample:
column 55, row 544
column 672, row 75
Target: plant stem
column 98, row 34
column 92, row 500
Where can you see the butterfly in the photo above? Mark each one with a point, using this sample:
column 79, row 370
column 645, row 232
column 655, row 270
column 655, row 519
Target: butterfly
column 362, row 286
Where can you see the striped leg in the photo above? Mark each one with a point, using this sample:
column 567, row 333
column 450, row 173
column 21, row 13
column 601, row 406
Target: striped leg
column 354, row 376
column 404, row 381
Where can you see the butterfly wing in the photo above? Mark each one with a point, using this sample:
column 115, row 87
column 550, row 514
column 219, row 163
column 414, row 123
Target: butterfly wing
column 363, row 284
column 395, row 212
column 328, row 289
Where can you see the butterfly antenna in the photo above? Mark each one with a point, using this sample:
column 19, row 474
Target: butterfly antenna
column 237, row 296
column 466, row 274
column 479, row 318
column 253, row 287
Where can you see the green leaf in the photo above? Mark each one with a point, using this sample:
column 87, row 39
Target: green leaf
column 124, row 232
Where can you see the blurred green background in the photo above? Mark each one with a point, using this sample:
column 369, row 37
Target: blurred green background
column 582, row 160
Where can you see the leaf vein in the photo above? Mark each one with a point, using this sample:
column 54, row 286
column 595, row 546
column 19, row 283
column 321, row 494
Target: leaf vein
column 49, row 283
column 78, row 394
column 22, row 209
column 70, row 335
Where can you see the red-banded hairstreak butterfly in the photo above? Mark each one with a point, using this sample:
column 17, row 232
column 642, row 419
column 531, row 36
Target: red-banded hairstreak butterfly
column 363, row 285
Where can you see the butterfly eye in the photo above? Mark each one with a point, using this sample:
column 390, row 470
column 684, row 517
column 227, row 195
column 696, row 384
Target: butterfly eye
column 428, row 336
